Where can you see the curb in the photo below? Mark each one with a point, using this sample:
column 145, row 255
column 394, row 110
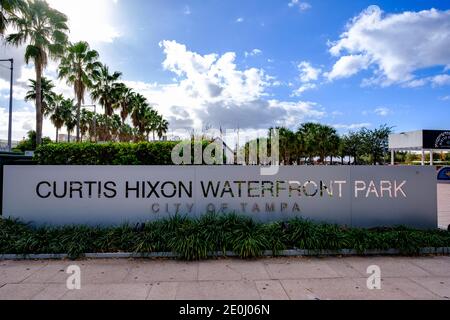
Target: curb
column 285, row 253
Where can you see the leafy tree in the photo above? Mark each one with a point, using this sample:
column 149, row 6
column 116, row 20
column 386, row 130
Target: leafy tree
column 79, row 67
column 44, row 30
column 375, row 143
column 351, row 146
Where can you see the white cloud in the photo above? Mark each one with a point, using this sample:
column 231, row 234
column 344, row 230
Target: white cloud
column 187, row 10
column 239, row 20
column 348, row 66
column 303, row 88
column 254, row 52
column 441, row 80
column 303, row 6
column 444, row 98
column 23, row 121
column 382, row 111
column 308, row 72
column 95, row 25
column 90, row 20
column 398, row 45
column 24, row 118
column 211, row 77
column 435, row 81
column 337, row 113
column 353, row 126
column 211, row 90
column 308, row 75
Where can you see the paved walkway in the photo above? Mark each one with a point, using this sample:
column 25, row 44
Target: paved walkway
column 281, row 278
column 444, row 205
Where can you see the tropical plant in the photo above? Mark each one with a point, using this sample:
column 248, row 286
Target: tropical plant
column 162, row 127
column 44, row 29
column 79, row 67
column 47, row 95
column 150, row 122
column 87, row 124
column 139, row 114
column 104, row 89
column 126, row 133
column 124, row 100
column 68, row 108
column 58, row 117
column 9, row 8
column 320, row 140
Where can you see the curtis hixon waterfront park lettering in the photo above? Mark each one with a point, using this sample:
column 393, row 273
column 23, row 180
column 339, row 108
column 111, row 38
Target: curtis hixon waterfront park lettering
column 363, row 196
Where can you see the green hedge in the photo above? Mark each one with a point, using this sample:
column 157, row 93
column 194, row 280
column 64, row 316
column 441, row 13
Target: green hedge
column 145, row 153
column 193, row 239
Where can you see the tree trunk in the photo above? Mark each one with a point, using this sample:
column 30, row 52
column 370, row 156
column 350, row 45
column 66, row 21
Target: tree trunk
column 39, row 118
column 154, row 136
column 78, row 119
column 57, row 131
column 68, row 136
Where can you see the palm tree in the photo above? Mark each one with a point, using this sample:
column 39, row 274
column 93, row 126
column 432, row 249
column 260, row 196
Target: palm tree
column 79, row 66
column 45, row 31
column 87, row 124
column 9, row 8
column 104, row 87
column 320, row 140
column 114, row 126
column 139, row 113
column 151, row 122
column 47, row 95
column 126, row 133
column 162, row 127
column 68, row 108
column 124, row 99
column 58, row 117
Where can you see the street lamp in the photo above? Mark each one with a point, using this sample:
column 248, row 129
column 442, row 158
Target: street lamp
column 95, row 118
column 10, row 103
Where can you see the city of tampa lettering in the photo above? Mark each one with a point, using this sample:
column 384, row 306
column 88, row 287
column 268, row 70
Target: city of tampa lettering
column 217, row 189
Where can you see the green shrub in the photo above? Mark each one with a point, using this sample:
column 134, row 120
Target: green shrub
column 144, row 153
column 194, row 239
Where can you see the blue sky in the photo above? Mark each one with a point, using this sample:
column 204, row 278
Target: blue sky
column 252, row 64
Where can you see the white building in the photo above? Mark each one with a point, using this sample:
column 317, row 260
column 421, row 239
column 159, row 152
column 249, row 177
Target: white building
column 422, row 141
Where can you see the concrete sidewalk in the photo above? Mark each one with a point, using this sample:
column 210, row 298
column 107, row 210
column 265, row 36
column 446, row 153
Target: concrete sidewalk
column 280, row 278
